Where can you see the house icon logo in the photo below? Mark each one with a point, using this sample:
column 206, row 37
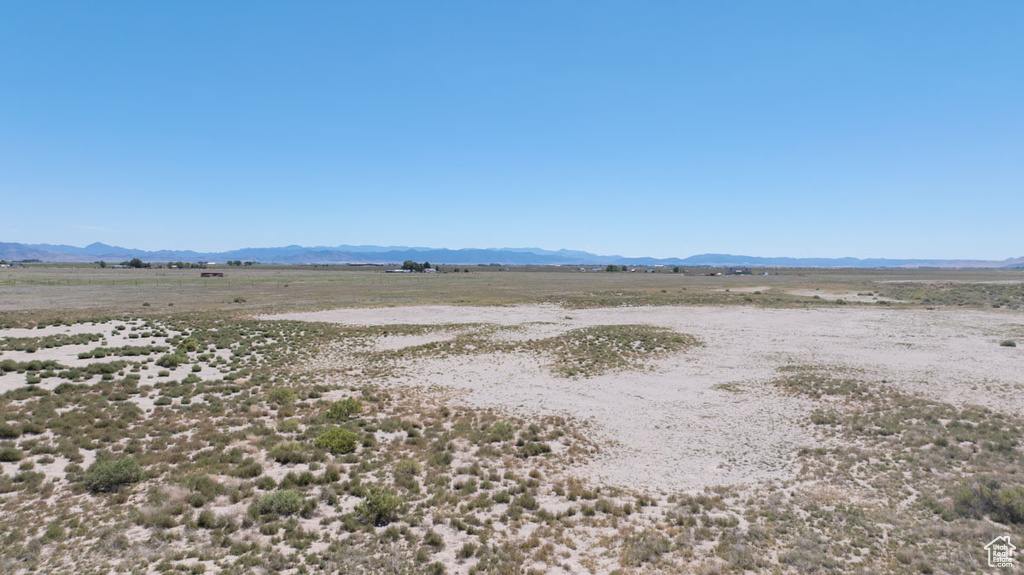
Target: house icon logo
column 1001, row 552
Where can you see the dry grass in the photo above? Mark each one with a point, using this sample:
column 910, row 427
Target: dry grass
column 230, row 477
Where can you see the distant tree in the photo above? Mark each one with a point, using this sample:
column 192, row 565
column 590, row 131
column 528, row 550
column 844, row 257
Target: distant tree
column 103, row 264
column 611, row 268
column 426, row 265
column 675, row 270
column 249, row 263
column 412, row 266
column 137, row 263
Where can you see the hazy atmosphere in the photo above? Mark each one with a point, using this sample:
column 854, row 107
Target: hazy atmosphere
column 667, row 129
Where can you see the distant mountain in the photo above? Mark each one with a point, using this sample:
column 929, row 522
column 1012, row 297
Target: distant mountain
column 363, row 254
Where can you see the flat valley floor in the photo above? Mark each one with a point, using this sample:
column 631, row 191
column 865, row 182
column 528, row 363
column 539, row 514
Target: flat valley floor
column 324, row 421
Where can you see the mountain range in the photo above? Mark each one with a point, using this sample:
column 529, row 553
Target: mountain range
column 365, row 254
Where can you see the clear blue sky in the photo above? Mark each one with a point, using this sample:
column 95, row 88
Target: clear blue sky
column 799, row 128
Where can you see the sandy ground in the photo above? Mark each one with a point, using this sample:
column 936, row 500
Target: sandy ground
column 707, row 416
column 847, row 296
column 67, row 355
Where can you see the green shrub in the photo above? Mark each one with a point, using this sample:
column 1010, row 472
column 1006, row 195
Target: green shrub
column 112, row 474
column 281, row 396
column 532, row 448
column 405, row 474
column 467, row 551
column 527, row 501
column 188, row 344
column 287, row 426
column 285, row 502
column 248, row 469
column 380, row 507
column 9, row 431
column 204, row 484
column 409, row 467
column 501, row 431
column 206, row 520
column 288, row 452
column 171, row 360
column 433, row 539
column 986, row 496
column 643, row 548
column 343, row 410
column 337, row 440
column 1008, row 343
column 9, row 453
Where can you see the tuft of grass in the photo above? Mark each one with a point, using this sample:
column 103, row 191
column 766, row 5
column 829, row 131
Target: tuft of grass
column 645, row 547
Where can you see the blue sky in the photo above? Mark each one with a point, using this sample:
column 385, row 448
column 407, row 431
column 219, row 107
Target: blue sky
column 826, row 128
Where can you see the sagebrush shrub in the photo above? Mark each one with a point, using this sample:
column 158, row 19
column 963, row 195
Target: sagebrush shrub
column 288, row 452
column 284, row 502
column 343, row 410
column 9, row 453
column 281, row 396
column 501, row 431
column 337, row 440
column 112, row 474
column 986, row 496
column 380, row 507
column 171, row 360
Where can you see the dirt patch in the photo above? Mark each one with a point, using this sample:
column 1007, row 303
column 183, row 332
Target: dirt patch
column 850, row 296
column 706, row 416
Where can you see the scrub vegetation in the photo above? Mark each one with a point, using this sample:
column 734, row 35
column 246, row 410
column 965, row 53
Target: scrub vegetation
column 196, row 439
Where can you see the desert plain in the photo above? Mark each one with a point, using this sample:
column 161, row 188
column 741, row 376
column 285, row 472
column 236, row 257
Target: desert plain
column 335, row 419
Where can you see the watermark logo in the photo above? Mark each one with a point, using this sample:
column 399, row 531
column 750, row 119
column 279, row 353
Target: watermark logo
column 1001, row 552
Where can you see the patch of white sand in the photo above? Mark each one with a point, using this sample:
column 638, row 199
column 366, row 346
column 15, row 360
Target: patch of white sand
column 746, row 289
column 849, row 296
column 707, row 416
